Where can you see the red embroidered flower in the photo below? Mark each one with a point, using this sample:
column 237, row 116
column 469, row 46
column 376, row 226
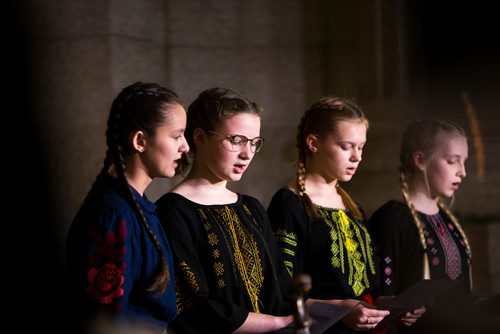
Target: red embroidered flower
column 105, row 284
column 435, row 261
column 388, row 271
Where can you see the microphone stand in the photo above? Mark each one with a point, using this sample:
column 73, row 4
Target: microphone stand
column 300, row 285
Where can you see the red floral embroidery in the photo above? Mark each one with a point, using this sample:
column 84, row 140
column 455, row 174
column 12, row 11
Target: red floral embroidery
column 106, row 276
column 105, row 284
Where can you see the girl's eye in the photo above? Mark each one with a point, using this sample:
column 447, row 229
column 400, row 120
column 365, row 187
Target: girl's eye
column 236, row 140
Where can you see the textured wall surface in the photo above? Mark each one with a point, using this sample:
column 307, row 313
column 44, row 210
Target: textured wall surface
column 399, row 62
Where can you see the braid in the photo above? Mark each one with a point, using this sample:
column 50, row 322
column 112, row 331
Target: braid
column 418, row 224
column 137, row 107
column 307, row 203
column 309, row 207
column 457, row 225
column 160, row 282
column 350, row 204
column 320, row 120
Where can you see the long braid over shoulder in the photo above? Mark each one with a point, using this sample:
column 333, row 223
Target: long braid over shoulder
column 320, row 120
column 140, row 106
column 425, row 136
column 418, row 224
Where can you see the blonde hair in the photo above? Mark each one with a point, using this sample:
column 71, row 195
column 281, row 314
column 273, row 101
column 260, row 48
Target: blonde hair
column 320, row 119
column 424, row 136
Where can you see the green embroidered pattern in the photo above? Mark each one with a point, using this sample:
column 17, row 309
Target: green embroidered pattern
column 288, row 242
column 350, row 248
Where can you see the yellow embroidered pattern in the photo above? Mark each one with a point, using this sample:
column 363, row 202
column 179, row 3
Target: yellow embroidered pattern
column 351, row 248
column 219, row 268
column 216, row 253
column 212, row 239
column 246, row 253
column 190, row 286
column 288, row 241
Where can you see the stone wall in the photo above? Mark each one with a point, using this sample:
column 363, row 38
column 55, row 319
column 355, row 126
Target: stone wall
column 388, row 56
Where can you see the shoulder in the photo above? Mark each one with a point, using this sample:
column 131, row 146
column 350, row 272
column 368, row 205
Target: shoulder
column 171, row 198
column 250, row 201
column 173, row 204
column 391, row 212
column 284, row 196
column 106, row 202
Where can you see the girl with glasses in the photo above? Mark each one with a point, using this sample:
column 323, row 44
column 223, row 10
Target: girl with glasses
column 230, row 276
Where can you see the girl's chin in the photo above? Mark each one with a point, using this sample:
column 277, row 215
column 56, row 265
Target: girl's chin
column 235, row 177
column 345, row 178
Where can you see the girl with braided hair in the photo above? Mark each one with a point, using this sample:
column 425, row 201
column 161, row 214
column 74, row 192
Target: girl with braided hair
column 320, row 229
column 418, row 236
column 119, row 259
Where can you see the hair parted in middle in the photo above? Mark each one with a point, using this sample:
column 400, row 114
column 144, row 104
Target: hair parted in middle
column 426, row 136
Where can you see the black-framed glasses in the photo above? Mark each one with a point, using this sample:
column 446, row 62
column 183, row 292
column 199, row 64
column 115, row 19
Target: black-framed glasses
column 238, row 142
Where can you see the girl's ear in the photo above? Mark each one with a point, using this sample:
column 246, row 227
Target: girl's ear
column 419, row 160
column 139, row 141
column 199, row 136
column 312, row 143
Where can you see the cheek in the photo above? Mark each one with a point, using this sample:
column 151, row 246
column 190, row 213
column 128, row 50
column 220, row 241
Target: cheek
column 440, row 173
column 338, row 157
column 218, row 158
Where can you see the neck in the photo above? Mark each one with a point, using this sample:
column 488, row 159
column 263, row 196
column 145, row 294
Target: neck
column 318, row 182
column 136, row 176
column 202, row 177
column 423, row 201
column 322, row 192
column 201, row 189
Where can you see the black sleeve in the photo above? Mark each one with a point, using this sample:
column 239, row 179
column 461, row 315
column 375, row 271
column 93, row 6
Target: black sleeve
column 398, row 247
column 289, row 224
column 276, row 256
column 197, row 312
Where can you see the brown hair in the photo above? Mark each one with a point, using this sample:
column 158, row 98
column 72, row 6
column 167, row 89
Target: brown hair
column 209, row 109
column 320, row 119
column 140, row 106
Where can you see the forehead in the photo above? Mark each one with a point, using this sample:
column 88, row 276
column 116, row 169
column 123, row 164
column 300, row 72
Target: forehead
column 349, row 130
column 175, row 116
column 456, row 145
column 240, row 123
